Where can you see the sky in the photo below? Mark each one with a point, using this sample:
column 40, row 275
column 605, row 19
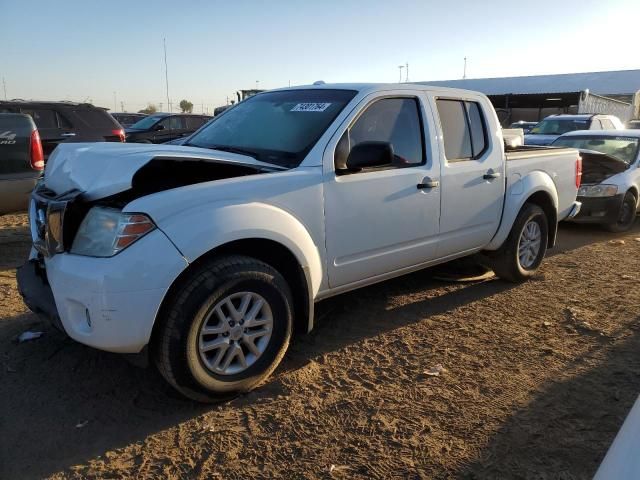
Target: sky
column 111, row 53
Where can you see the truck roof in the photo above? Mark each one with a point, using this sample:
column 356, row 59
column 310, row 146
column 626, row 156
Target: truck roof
column 376, row 87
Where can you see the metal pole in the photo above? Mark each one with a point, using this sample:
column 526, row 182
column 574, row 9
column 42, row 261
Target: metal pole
column 166, row 72
column 4, row 86
column 464, row 73
column 400, row 67
column 406, row 72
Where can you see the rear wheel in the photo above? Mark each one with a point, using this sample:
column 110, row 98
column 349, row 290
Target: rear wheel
column 522, row 252
column 226, row 328
column 626, row 215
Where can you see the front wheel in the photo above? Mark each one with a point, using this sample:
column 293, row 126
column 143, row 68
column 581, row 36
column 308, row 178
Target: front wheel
column 522, row 252
column 626, row 216
column 225, row 329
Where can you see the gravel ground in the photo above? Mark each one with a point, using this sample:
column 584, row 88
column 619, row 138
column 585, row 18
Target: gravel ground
column 537, row 380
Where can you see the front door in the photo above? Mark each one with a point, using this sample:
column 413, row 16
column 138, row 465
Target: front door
column 380, row 220
column 473, row 183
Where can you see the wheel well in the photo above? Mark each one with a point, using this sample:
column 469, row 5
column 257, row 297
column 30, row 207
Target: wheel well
column 635, row 193
column 544, row 201
column 267, row 251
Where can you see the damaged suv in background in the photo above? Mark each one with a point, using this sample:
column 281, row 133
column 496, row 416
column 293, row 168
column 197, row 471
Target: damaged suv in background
column 610, row 176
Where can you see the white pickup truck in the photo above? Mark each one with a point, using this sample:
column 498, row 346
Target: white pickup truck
column 212, row 253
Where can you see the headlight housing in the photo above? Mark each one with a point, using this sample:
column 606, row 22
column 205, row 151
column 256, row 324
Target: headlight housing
column 597, row 190
column 107, row 231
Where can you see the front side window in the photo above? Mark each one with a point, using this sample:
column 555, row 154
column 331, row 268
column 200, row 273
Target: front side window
column 146, row 122
column 393, row 120
column 464, row 130
column 277, row 127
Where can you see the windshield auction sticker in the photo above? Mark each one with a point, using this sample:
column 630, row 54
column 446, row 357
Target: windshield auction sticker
column 311, row 107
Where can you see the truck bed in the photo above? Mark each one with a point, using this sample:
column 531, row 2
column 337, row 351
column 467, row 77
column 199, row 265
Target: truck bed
column 530, row 151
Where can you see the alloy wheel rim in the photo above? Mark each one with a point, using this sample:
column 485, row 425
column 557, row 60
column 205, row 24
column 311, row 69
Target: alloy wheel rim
column 235, row 333
column 529, row 244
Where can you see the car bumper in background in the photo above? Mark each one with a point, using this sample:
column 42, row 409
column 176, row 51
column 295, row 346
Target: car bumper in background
column 599, row 209
column 107, row 303
column 15, row 193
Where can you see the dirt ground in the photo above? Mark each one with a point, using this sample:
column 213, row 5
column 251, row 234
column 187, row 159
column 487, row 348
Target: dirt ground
column 539, row 378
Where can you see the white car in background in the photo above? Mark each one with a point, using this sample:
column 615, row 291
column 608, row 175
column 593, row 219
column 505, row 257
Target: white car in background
column 610, row 176
column 549, row 129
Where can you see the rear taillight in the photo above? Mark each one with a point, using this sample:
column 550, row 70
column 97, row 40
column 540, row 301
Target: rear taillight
column 118, row 133
column 36, row 153
column 578, row 171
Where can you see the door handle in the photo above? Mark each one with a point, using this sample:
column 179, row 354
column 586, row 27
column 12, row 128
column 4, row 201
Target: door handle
column 490, row 175
column 427, row 183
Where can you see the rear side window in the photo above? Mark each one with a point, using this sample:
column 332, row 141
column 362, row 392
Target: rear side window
column 43, row 118
column 596, row 125
column 463, row 129
column 607, row 124
column 95, row 118
column 193, row 123
column 393, row 120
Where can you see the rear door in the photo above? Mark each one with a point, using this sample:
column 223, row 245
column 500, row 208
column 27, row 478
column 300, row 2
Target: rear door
column 472, row 173
column 378, row 220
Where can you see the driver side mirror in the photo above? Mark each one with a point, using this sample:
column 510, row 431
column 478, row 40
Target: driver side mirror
column 367, row 155
column 158, row 127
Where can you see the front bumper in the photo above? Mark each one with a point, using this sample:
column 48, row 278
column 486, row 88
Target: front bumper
column 107, row 303
column 599, row 209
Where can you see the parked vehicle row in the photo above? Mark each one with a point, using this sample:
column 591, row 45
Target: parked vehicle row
column 209, row 255
column 164, row 127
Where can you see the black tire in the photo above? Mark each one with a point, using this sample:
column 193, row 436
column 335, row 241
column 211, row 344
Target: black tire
column 505, row 262
column 175, row 343
column 626, row 215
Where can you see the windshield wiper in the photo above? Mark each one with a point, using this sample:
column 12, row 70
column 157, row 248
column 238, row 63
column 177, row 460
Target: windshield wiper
column 230, row 149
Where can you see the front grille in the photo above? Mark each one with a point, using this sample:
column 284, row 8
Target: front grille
column 47, row 219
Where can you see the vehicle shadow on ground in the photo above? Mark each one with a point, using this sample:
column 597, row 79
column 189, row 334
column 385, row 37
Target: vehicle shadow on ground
column 92, row 401
column 568, row 421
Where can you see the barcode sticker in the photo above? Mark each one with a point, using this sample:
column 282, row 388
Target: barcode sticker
column 311, row 107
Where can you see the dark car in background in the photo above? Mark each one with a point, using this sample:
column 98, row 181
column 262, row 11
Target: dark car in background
column 60, row 122
column 163, row 127
column 21, row 160
column 127, row 119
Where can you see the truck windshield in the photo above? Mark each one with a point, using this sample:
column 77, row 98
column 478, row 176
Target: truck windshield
column 558, row 127
column 275, row 127
column 624, row 148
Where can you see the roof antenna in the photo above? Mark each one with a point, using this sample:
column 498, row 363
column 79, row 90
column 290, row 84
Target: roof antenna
column 464, row 73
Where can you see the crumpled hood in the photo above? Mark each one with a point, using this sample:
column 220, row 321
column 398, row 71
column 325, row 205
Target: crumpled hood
column 597, row 166
column 103, row 169
column 533, row 139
